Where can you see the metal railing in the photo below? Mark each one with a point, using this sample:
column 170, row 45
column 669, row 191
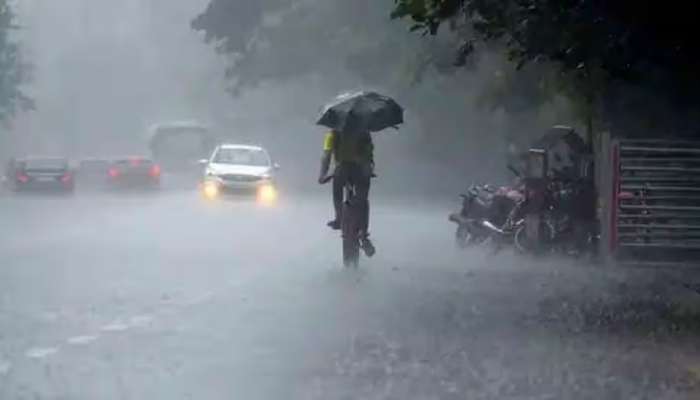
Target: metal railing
column 656, row 202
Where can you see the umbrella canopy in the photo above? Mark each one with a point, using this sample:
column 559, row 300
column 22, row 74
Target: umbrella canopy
column 361, row 112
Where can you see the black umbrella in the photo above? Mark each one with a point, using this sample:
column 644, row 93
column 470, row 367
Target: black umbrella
column 361, row 112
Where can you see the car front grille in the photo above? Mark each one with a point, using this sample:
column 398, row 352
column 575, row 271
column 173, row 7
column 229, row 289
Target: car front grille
column 240, row 178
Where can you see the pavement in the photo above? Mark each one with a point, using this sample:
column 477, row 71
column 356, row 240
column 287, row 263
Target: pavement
column 168, row 296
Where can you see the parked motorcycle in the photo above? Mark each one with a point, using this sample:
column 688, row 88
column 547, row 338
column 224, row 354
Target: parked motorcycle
column 476, row 203
column 562, row 229
column 488, row 213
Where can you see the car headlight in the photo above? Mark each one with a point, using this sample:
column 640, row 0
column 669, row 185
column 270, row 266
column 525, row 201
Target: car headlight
column 267, row 194
column 210, row 189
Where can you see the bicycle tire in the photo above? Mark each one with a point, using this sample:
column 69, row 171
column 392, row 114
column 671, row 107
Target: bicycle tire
column 351, row 237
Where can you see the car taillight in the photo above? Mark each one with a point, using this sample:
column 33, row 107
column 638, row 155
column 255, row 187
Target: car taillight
column 113, row 173
column 22, row 177
column 154, row 171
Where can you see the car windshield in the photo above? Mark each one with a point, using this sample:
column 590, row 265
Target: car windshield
column 242, row 156
column 94, row 164
column 133, row 162
column 47, row 163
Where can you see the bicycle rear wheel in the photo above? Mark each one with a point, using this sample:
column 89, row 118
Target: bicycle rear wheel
column 351, row 236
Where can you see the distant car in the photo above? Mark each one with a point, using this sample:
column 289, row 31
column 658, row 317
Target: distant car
column 133, row 172
column 8, row 175
column 240, row 169
column 43, row 174
column 93, row 173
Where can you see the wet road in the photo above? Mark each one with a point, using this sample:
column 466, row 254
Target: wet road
column 166, row 296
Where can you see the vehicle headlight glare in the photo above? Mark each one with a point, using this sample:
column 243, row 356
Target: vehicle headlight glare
column 210, row 189
column 267, row 194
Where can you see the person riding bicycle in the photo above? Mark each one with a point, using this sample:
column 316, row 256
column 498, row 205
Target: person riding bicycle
column 353, row 156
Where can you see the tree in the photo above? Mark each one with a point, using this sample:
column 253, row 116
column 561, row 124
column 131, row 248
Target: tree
column 343, row 42
column 284, row 39
column 13, row 72
column 351, row 43
column 593, row 44
column 577, row 34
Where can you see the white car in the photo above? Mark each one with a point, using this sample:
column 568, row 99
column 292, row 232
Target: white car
column 240, row 169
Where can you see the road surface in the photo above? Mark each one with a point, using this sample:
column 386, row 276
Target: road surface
column 166, row 296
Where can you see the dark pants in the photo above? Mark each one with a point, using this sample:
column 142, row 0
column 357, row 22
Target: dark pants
column 360, row 176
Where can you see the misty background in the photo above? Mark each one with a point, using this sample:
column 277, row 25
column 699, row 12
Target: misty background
column 104, row 71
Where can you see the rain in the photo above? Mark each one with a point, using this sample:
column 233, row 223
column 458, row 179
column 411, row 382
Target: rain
column 329, row 199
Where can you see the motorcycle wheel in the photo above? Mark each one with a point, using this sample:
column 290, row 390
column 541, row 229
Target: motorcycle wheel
column 526, row 246
column 463, row 238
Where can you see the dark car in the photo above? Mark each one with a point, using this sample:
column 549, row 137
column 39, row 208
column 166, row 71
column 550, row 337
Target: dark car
column 134, row 172
column 93, row 173
column 43, row 174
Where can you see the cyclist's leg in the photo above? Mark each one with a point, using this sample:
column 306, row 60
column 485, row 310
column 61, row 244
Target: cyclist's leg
column 362, row 190
column 363, row 195
column 361, row 178
column 338, row 182
column 341, row 177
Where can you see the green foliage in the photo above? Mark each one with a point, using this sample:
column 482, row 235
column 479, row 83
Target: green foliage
column 570, row 48
column 283, row 39
column 13, row 72
column 591, row 43
column 231, row 24
column 558, row 47
column 531, row 30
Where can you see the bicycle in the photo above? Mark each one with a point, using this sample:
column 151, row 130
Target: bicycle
column 350, row 225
